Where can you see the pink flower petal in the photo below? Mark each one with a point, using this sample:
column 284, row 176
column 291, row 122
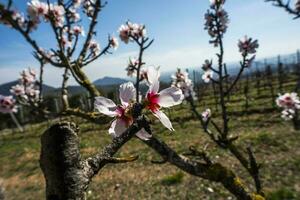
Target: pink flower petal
column 117, row 127
column 127, row 93
column 153, row 79
column 170, row 97
column 106, row 106
column 143, row 135
column 164, row 119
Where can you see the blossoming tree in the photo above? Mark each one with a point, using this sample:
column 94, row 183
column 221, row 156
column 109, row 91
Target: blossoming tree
column 67, row 174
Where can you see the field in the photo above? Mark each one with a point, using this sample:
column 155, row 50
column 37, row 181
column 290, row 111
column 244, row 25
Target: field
column 274, row 142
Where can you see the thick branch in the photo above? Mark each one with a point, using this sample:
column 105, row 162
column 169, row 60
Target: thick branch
column 213, row 172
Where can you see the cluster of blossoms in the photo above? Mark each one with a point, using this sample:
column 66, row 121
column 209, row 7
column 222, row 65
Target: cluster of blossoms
column 290, row 103
column 89, row 7
column 131, row 31
column 37, row 10
column 182, row 81
column 27, row 91
column 114, row 43
column 132, row 66
column 7, row 104
column 208, row 72
column 94, row 48
column 248, row 46
column 216, row 21
column 153, row 101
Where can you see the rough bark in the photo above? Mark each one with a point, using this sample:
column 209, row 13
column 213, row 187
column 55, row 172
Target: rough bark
column 67, row 175
column 61, row 163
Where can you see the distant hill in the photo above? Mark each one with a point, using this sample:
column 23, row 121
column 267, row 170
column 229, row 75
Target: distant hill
column 105, row 81
column 4, row 88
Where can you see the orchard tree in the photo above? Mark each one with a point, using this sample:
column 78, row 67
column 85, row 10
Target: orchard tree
column 67, row 174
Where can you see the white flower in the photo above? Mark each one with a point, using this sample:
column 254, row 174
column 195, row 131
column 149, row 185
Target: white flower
column 131, row 68
column 131, row 31
column 7, row 104
column 206, row 115
column 94, row 48
column 35, row 8
column 27, row 76
column 19, row 18
column 207, row 76
column 164, row 99
column 124, row 33
column 58, row 12
column 121, row 113
column 288, row 101
column 288, row 114
column 74, row 15
column 247, row 46
column 182, row 81
column 17, row 90
column 78, row 30
column 114, row 43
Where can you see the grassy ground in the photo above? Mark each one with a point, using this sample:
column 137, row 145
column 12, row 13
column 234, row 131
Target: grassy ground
column 274, row 141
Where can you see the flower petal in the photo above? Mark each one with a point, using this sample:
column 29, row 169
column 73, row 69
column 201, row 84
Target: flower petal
column 105, row 106
column 117, row 127
column 170, row 97
column 164, row 119
column 153, row 79
column 127, row 92
column 143, row 134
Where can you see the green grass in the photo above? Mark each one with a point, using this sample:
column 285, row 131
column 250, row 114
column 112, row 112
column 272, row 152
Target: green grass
column 274, row 142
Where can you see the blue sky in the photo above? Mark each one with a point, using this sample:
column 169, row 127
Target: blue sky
column 176, row 26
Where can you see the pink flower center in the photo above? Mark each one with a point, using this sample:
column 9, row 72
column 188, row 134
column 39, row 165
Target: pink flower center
column 153, row 102
column 121, row 111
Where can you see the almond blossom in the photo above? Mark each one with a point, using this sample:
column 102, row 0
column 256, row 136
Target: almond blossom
column 182, row 81
column 216, row 23
column 288, row 114
column 131, row 31
column 94, row 47
column 132, row 66
column 28, row 88
column 37, row 9
column 166, row 98
column 114, row 43
column 74, row 15
column 121, row 113
column 57, row 12
column 247, row 46
column 290, row 102
column 7, row 104
column 78, row 30
column 207, row 76
column 17, row 90
column 207, row 65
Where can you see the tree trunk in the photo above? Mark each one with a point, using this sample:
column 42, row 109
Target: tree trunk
column 61, row 163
